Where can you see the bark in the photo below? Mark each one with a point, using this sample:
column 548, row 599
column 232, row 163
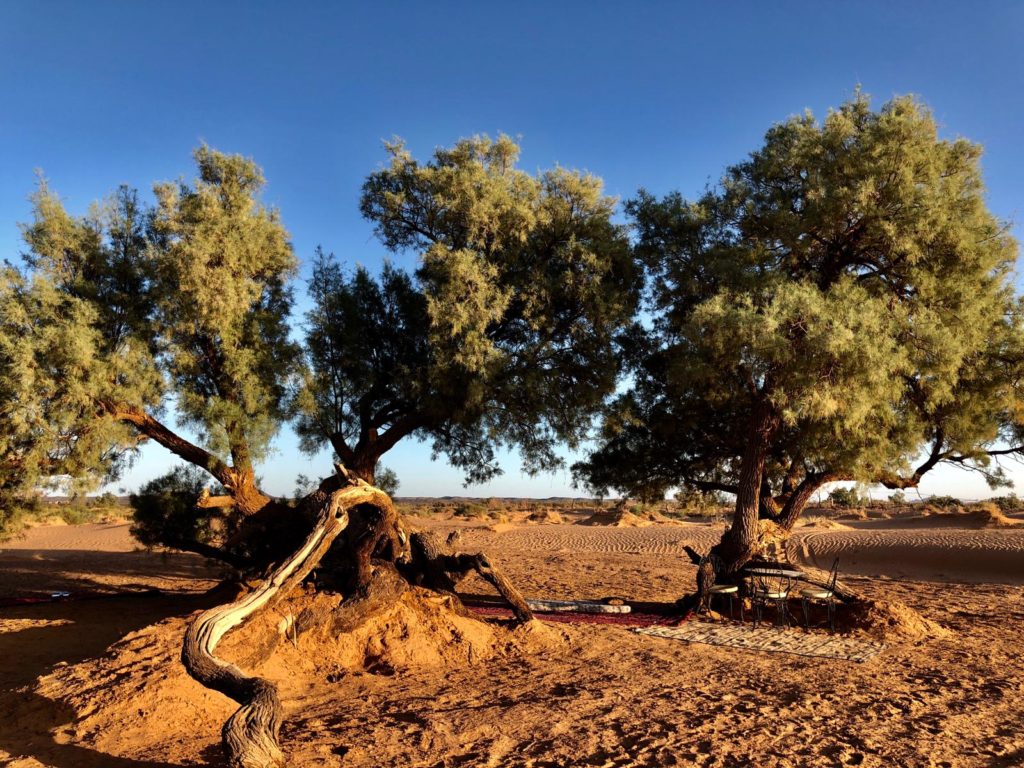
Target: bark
column 251, row 735
column 739, row 543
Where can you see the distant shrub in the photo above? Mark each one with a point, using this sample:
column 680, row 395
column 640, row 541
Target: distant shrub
column 1009, row 503
column 105, row 501
column 898, row 498
column 387, row 480
column 847, row 498
column 78, row 514
column 690, row 502
column 945, row 502
column 467, row 509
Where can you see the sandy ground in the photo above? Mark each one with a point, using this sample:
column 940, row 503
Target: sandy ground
column 96, row 682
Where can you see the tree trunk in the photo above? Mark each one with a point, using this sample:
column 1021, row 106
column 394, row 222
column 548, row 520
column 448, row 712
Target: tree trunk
column 251, row 735
column 739, row 542
column 436, row 567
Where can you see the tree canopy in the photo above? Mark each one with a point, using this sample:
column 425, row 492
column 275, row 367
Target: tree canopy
column 839, row 304
column 505, row 334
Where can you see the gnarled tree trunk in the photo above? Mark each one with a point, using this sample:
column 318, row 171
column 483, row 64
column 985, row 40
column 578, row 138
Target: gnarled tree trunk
column 251, row 735
column 381, row 564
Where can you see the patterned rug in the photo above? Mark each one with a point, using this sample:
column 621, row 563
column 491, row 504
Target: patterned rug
column 769, row 638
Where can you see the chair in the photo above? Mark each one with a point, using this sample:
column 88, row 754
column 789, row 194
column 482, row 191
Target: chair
column 822, row 596
column 709, row 567
column 770, row 586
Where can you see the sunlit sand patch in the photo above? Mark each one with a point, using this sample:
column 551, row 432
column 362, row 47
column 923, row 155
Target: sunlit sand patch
column 10, row 626
column 770, row 639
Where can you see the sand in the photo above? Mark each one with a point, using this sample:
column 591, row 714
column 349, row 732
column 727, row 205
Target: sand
column 97, row 682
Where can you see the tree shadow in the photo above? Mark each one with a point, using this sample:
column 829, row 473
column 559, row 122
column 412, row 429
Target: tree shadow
column 68, row 633
column 40, row 571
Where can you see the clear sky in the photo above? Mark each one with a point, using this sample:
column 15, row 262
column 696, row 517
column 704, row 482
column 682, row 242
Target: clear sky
column 654, row 94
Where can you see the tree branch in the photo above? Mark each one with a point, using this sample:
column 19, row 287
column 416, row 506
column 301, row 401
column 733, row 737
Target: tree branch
column 176, row 444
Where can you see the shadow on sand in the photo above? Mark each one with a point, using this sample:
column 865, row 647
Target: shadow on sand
column 68, row 632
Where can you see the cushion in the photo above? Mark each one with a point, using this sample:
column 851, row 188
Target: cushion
column 816, row 594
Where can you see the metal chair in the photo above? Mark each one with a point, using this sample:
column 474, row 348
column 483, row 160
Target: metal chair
column 822, row 596
column 770, row 586
column 712, row 563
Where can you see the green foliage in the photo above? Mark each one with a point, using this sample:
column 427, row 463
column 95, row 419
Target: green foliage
column 470, row 510
column 304, row 486
column 166, row 514
column 897, row 498
column 847, row 498
column 12, row 518
column 700, row 502
column 1008, row 503
column 846, row 282
column 387, row 480
column 945, row 502
column 504, row 335
column 126, row 308
column 222, row 264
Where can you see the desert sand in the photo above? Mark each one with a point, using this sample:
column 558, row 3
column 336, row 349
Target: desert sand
column 96, row 682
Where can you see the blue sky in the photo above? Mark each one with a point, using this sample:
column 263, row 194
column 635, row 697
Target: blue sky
column 660, row 95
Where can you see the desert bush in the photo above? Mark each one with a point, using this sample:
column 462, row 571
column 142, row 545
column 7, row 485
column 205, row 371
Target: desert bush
column 847, row 498
column 948, row 503
column 699, row 503
column 387, row 480
column 13, row 516
column 1008, row 503
column 470, row 510
column 166, row 513
column 105, row 501
column 79, row 513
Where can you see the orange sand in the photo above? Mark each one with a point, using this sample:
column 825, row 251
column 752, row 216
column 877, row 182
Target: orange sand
column 97, row 683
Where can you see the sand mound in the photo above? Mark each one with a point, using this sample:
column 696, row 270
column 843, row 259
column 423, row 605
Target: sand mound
column 615, row 518
column 138, row 693
column 977, row 517
column 421, row 629
column 545, row 516
column 892, row 621
column 853, row 514
column 824, row 523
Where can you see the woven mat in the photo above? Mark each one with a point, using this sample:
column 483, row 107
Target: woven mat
column 771, row 639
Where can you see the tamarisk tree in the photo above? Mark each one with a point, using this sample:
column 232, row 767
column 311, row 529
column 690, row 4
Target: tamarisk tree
column 505, row 334
column 128, row 308
column 839, row 308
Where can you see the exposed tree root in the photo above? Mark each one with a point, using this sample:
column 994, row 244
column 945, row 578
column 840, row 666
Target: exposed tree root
column 440, row 568
column 251, row 735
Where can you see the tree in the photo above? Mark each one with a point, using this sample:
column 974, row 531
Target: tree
column 838, row 306
column 504, row 335
column 847, row 498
